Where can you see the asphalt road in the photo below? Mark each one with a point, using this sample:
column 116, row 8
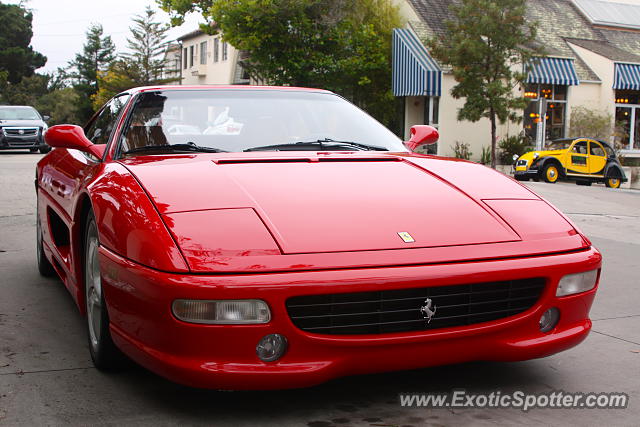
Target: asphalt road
column 46, row 376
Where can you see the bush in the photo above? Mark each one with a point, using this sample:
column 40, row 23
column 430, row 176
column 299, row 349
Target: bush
column 485, row 157
column 514, row 144
column 461, row 151
column 590, row 123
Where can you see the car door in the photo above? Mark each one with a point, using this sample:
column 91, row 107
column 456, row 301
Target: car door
column 597, row 158
column 71, row 173
column 578, row 158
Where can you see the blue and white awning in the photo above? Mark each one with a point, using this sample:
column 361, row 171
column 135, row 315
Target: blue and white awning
column 627, row 77
column 553, row 71
column 415, row 73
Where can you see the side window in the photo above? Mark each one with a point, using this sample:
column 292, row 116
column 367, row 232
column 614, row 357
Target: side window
column 596, row 149
column 100, row 129
column 580, row 147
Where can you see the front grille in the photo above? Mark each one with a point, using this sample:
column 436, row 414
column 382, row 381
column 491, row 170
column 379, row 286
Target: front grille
column 398, row 310
column 521, row 163
column 15, row 131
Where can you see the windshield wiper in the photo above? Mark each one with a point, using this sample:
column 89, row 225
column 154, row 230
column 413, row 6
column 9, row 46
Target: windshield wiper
column 318, row 145
column 189, row 146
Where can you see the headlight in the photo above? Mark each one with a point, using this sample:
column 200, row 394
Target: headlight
column 576, row 283
column 222, row 312
column 515, row 157
column 536, row 155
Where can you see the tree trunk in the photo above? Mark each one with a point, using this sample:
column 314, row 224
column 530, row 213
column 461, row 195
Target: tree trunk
column 492, row 116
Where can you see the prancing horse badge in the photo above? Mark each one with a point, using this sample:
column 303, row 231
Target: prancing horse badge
column 406, row 237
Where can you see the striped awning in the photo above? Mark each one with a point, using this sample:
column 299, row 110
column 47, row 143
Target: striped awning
column 627, row 77
column 415, row 73
column 553, row 71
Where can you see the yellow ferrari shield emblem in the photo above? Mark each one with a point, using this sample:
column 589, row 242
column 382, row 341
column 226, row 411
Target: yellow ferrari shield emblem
column 406, row 237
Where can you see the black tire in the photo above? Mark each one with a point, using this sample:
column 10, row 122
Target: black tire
column 584, row 182
column 44, row 266
column 33, row 150
column 521, row 178
column 104, row 353
column 45, row 149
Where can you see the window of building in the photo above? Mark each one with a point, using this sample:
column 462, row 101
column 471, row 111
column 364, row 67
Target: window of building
column 216, row 49
column 184, row 58
column 225, row 51
column 546, row 112
column 627, row 124
column 192, row 55
column 203, row 52
column 431, row 115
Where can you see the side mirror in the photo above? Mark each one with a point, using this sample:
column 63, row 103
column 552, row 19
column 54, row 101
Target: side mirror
column 420, row 135
column 71, row 136
column 45, row 118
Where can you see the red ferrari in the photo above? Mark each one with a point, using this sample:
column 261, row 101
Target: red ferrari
column 266, row 238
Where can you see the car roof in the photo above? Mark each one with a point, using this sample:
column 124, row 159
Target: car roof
column 575, row 139
column 16, row 106
column 224, row 87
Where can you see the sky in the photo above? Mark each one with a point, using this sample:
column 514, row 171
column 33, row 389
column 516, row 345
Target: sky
column 59, row 26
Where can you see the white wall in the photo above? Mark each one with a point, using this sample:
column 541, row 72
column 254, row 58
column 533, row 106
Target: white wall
column 599, row 96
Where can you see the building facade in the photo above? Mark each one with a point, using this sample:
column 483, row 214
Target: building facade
column 592, row 60
column 207, row 59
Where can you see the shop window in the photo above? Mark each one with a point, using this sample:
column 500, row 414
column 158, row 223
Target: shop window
column 547, row 108
column 216, row 50
column 192, row 54
column 431, row 118
column 627, row 124
column 184, row 58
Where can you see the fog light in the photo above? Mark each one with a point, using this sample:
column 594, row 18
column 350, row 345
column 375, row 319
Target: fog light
column 549, row 319
column 576, row 283
column 271, row 347
column 222, row 312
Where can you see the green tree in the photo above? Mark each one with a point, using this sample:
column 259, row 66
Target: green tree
column 25, row 92
column 59, row 104
column 17, row 57
column 343, row 46
column 147, row 45
column 97, row 53
column 486, row 43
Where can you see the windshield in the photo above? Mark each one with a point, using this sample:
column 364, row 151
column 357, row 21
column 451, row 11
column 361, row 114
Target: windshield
column 19, row 113
column 560, row 145
column 240, row 120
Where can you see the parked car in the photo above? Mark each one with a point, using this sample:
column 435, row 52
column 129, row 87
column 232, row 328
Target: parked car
column 583, row 160
column 304, row 243
column 22, row 126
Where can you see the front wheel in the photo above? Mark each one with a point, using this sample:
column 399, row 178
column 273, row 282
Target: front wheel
column 104, row 353
column 550, row 173
column 44, row 149
column 612, row 182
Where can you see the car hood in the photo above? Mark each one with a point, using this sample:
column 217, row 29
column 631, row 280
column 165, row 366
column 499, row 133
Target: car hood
column 21, row 123
column 225, row 207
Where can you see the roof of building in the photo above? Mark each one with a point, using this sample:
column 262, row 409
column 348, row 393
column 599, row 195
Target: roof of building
column 606, row 49
column 558, row 21
column 190, row 35
column 610, row 14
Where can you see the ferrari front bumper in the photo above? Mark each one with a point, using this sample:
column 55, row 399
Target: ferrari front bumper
column 224, row 356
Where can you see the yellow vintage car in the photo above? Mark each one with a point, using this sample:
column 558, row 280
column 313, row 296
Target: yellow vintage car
column 583, row 160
